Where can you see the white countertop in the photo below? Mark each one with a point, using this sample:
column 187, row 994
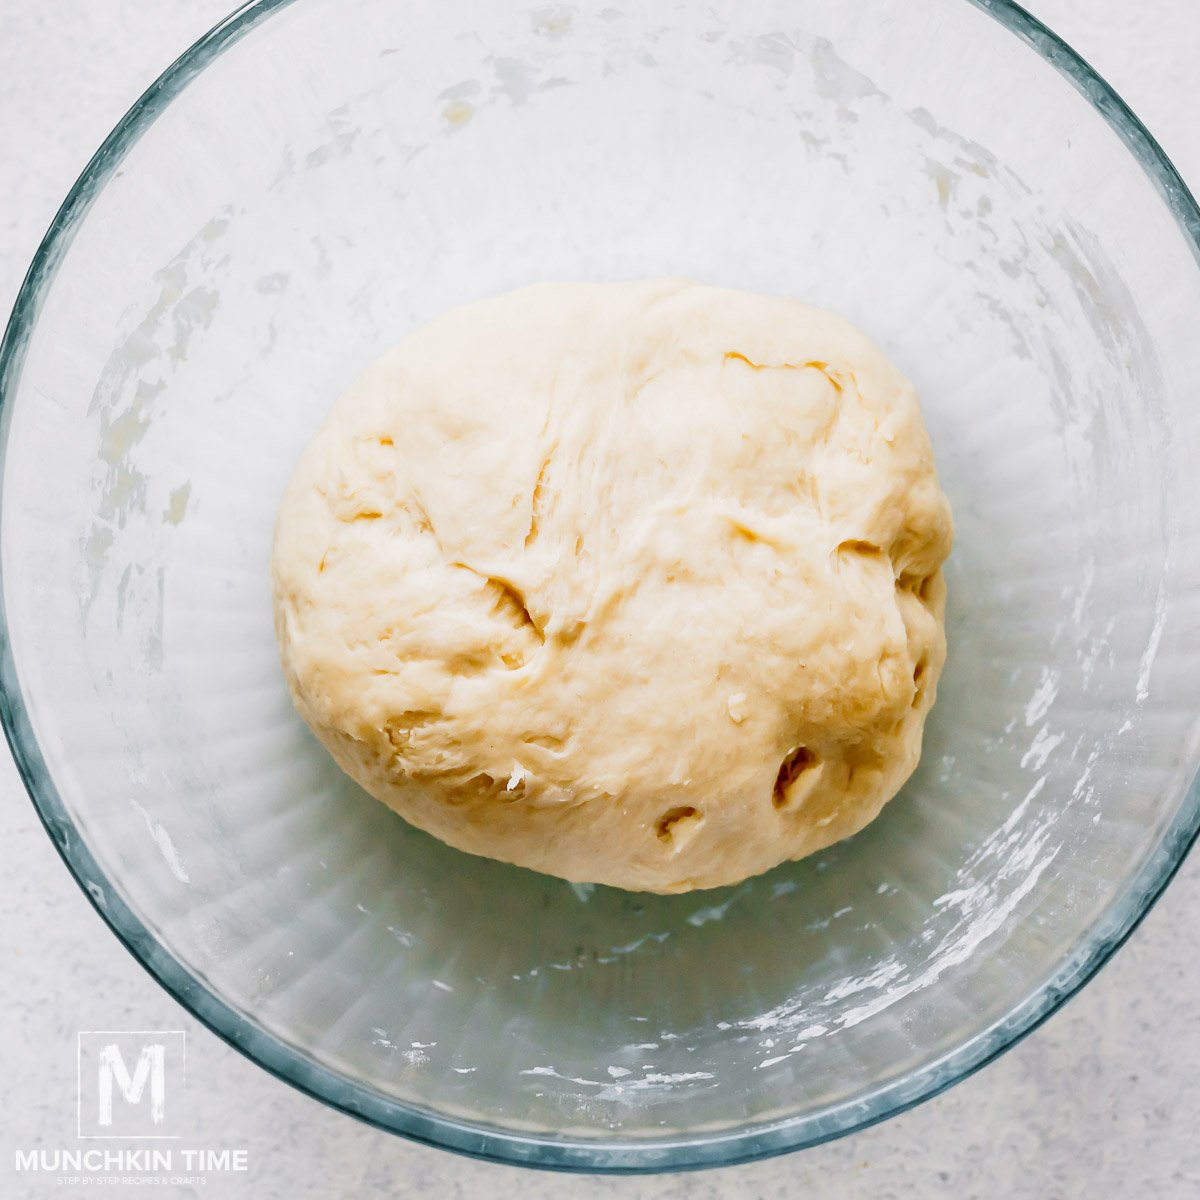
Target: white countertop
column 1099, row 1102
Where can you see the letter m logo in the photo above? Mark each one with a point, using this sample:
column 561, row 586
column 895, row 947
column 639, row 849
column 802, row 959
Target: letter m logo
column 151, row 1065
column 130, row 1082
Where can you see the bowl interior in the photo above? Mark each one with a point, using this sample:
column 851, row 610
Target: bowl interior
column 345, row 169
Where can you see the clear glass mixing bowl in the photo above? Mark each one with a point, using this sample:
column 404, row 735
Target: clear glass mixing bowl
column 315, row 178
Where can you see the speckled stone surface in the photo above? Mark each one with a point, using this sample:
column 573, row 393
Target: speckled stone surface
column 1100, row 1102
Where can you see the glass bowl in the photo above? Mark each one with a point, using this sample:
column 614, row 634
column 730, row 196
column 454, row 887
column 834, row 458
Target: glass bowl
column 315, row 178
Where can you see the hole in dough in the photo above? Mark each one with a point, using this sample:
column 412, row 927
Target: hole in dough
column 511, row 602
column 537, row 504
column 546, row 741
column 920, row 586
column 400, row 728
column 918, row 675
column 677, row 826
column 798, row 762
column 857, row 546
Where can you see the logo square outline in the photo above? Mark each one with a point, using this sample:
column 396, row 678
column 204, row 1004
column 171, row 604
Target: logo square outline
column 79, row 1036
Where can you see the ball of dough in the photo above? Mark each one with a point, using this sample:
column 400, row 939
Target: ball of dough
column 635, row 584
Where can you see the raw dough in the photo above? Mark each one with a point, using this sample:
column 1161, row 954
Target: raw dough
column 635, row 584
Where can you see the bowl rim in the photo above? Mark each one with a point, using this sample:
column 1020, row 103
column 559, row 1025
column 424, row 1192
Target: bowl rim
column 476, row 1140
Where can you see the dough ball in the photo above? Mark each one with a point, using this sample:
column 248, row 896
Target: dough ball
column 635, row 584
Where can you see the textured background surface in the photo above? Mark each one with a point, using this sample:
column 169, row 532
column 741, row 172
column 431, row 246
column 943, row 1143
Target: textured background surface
column 1098, row 1102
